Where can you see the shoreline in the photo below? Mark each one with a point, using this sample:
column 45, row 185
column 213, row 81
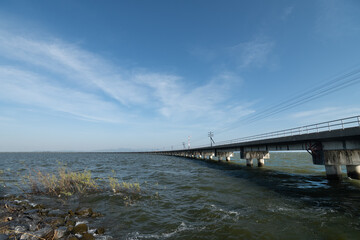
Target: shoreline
column 23, row 219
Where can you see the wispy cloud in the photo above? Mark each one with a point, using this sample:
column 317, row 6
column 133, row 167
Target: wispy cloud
column 30, row 89
column 287, row 12
column 52, row 74
column 254, row 53
column 325, row 114
column 182, row 101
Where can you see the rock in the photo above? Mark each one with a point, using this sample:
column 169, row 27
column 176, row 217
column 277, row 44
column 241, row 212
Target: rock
column 71, row 237
column 32, row 226
column 60, row 232
column 71, row 213
column 100, row 230
column 54, row 221
column 33, row 217
column 46, row 232
column 95, row 215
column 70, row 223
column 44, row 212
column 13, row 208
column 70, row 228
column 56, row 213
column 20, row 229
column 8, row 219
column 88, row 236
column 80, row 228
column 31, row 212
column 84, row 212
column 26, row 236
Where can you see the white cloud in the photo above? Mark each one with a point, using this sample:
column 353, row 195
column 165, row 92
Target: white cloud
column 181, row 101
column 63, row 77
column 253, row 53
column 287, row 12
column 325, row 114
column 77, row 65
column 30, row 89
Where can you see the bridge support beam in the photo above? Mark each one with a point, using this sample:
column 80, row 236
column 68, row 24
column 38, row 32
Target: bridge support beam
column 353, row 171
column 259, row 155
column 261, row 162
column 225, row 155
column 333, row 159
column 333, row 172
column 249, row 162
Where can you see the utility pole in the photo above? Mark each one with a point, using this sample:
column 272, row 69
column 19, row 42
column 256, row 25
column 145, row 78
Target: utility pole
column 210, row 135
column 184, row 145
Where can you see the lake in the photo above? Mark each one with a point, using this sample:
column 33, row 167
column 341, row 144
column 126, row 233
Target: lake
column 183, row 198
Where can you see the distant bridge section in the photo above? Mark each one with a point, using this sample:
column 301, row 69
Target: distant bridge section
column 331, row 144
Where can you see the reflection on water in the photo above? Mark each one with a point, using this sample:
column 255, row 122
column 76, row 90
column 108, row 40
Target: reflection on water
column 191, row 199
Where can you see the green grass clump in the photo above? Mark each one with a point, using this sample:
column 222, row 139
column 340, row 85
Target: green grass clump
column 130, row 192
column 118, row 187
column 65, row 182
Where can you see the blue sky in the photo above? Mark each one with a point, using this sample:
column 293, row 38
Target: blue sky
column 121, row 75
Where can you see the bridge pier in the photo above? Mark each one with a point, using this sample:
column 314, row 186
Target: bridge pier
column 225, row 155
column 333, row 159
column 249, row 162
column 353, row 171
column 333, row 172
column 261, row 162
column 259, row 155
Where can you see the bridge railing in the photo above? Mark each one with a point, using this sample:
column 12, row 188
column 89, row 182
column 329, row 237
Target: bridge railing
column 313, row 128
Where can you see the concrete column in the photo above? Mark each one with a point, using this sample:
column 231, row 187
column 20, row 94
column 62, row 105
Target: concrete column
column 228, row 159
column 249, row 162
column 261, row 162
column 333, row 172
column 353, row 171
column 219, row 158
column 211, row 157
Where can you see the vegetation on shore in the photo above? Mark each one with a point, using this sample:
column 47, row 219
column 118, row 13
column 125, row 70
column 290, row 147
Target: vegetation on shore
column 66, row 183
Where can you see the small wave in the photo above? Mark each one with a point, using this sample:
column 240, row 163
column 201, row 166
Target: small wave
column 182, row 227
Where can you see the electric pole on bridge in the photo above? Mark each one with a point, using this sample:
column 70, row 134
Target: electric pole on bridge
column 210, row 135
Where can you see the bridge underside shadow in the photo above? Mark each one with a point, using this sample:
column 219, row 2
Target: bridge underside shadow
column 313, row 190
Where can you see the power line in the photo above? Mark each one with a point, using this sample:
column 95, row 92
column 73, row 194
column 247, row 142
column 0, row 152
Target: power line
column 321, row 90
column 337, row 83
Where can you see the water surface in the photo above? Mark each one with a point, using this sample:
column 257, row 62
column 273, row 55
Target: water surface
column 289, row 198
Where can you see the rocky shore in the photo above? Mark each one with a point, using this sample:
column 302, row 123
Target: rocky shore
column 22, row 219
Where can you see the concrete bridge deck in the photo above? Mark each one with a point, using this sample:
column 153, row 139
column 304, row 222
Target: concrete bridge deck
column 331, row 144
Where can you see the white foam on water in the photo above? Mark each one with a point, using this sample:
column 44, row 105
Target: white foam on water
column 81, row 222
column 182, row 227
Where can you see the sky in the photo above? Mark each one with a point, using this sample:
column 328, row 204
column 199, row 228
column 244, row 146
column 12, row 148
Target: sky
column 145, row 75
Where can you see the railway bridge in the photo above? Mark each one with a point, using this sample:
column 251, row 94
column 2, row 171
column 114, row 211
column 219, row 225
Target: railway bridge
column 331, row 144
